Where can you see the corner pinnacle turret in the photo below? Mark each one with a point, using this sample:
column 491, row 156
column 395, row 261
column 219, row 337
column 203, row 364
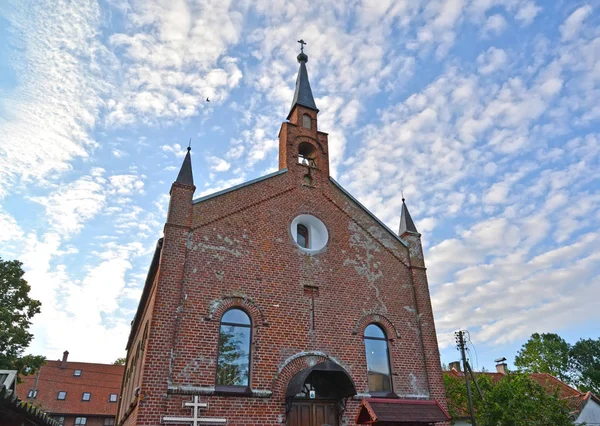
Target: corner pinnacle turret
column 185, row 175
column 303, row 94
column 406, row 222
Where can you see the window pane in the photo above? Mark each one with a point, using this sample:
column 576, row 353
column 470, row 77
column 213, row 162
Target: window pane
column 236, row 316
column 234, row 356
column 373, row 330
column 302, row 236
column 86, row 396
column 301, row 240
column 62, row 395
column 378, row 366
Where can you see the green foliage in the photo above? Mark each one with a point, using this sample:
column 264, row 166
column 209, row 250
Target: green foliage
column 456, row 392
column 578, row 365
column 585, row 362
column 119, row 361
column 230, row 371
column 16, row 311
column 545, row 353
column 515, row 400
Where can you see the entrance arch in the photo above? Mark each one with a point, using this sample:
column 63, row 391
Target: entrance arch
column 316, row 396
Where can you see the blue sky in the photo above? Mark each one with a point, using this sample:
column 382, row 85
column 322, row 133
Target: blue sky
column 484, row 112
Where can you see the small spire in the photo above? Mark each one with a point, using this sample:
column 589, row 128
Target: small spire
column 303, row 94
column 185, row 175
column 406, row 222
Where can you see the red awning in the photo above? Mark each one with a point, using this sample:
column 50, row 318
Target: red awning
column 389, row 412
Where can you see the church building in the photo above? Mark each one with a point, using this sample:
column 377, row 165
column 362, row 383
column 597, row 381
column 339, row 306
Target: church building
column 283, row 301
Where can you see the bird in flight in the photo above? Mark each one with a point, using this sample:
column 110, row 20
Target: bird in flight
column 207, row 100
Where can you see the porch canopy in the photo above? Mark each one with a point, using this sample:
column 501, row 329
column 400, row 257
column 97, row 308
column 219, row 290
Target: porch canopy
column 329, row 378
column 405, row 412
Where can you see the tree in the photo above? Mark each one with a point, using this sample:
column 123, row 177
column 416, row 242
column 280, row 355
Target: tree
column 545, row 353
column 585, row 363
column 119, row 361
column 231, row 369
column 456, row 394
column 514, row 400
column 16, row 311
column 517, row 400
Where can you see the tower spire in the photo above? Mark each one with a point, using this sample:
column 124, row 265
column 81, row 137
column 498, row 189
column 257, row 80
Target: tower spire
column 406, row 222
column 185, row 175
column 303, row 94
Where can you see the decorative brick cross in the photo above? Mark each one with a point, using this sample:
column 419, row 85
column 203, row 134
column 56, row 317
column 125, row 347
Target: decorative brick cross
column 194, row 420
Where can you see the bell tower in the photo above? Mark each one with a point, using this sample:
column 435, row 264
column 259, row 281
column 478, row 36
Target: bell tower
column 303, row 149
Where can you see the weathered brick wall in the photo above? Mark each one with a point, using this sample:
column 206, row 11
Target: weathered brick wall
column 238, row 251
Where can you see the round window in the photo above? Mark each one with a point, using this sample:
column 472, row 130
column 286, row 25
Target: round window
column 309, row 233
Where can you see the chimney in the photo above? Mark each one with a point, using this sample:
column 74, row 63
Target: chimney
column 63, row 363
column 501, row 366
column 455, row 366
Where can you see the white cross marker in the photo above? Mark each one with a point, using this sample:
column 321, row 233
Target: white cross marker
column 194, row 420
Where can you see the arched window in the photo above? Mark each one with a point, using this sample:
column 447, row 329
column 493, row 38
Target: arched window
column 233, row 365
column 378, row 360
column 302, row 239
column 306, row 123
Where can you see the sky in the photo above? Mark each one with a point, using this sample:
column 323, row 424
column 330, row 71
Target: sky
column 484, row 112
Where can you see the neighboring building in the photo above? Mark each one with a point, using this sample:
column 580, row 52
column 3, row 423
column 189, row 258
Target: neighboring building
column 75, row 393
column 585, row 406
column 13, row 411
column 283, row 300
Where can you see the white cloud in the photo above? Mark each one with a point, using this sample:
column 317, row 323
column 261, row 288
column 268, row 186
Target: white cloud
column 218, row 164
column 47, row 124
column 69, row 207
column 10, row 229
column 492, row 60
column 527, row 12
column 572, row 25
column 174, row 149
column 126, row 184
column 168, row 72
column 494, row 24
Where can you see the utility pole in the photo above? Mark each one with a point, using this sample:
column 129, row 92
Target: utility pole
column 460, row 341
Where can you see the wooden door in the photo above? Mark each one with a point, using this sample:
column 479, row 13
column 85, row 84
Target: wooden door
column 312, row 413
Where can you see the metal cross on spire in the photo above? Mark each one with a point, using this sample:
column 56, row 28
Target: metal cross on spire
column 302, row 43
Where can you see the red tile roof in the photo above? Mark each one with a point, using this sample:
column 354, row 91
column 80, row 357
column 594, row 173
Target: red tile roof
column 100, row 380
column 575, row 400
column 400, row 411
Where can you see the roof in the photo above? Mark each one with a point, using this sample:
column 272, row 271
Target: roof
column 13, row 408
column 145, row 292
column 303, row 94
column 406, row 222
column 575, row 399
column 400, row 411
column 185, row 175
column 100, row 380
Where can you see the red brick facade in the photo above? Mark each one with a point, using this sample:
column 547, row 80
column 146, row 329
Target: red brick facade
column 74, row 379
column 236, row 249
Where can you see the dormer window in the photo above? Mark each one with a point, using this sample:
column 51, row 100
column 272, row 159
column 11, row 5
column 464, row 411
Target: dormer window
column 306, row 121
column 302, row 236
column 307, row 154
